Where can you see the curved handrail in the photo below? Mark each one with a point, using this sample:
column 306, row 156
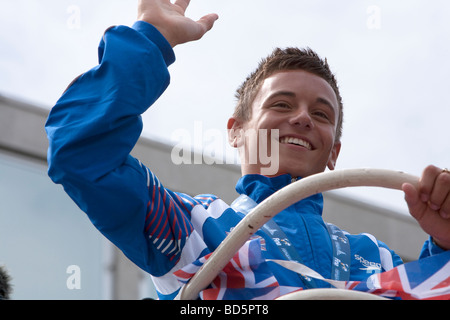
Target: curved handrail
column 278, row 202
column 330, row 294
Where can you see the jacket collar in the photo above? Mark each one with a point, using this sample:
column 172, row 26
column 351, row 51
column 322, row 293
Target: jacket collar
column 260, row 187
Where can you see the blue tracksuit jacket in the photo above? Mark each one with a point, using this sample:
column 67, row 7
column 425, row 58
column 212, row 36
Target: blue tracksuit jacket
column 93, row 128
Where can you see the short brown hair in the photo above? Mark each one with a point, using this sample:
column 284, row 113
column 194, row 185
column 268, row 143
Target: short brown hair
column 280, row 60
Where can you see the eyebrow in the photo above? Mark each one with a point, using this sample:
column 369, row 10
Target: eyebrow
column 282, row 93
column 327, row 103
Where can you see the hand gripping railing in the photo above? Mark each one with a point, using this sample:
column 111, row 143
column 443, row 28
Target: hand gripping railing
column 278, row 202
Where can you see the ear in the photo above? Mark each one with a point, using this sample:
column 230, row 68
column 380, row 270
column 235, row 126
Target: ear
column 235, row 132
column 334, row 155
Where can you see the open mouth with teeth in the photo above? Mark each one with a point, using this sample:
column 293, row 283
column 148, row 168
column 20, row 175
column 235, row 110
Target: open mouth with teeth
column 297, row 142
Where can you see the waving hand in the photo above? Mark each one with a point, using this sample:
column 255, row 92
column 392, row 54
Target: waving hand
column 169, row 18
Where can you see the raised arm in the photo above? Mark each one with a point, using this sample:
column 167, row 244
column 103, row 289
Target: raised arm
column 95, row 125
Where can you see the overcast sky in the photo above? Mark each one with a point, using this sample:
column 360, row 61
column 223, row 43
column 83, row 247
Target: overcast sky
column 391, row 59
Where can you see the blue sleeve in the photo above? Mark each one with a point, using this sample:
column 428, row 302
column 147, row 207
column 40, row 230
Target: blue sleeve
column 430, row 248
column 92, row 130
column 97, row 122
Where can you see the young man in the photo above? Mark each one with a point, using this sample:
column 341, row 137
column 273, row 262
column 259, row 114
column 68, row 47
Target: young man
column 293, row 97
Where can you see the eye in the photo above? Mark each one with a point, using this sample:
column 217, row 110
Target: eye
column 281, row 105
column 321, row 114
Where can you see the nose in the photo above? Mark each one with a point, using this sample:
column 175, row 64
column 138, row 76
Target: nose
column 302, row 118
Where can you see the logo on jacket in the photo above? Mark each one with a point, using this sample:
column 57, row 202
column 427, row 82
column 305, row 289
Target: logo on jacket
column 369, row 266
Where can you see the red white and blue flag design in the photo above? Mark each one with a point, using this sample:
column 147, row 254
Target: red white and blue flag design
column 248, row 276
column 424, row 279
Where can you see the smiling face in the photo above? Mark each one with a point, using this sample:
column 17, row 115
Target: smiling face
column 303, row 109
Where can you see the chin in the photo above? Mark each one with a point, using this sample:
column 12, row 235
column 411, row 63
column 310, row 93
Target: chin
column 300, row 172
